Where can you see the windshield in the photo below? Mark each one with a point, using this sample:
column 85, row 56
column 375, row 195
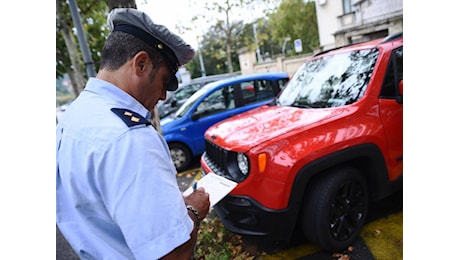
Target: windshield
column 331, row 81
column 190, row 101
column 186, row 91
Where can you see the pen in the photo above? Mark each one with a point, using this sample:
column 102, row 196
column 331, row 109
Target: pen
column 195, row 184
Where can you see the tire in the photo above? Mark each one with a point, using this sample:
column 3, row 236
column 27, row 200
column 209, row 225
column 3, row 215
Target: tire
column 180, row 155
column 335, row 208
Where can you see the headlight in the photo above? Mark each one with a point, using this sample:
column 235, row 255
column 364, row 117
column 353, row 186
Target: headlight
column 243, row 163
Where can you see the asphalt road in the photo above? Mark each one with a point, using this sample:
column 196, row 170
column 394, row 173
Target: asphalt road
column 63, row 249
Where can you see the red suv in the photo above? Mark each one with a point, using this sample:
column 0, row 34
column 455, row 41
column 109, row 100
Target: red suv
column 314, row 158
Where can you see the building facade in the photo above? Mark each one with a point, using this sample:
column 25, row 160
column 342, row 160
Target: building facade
column 342, row 22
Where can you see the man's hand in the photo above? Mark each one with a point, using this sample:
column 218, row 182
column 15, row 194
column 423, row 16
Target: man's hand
column 199, row 199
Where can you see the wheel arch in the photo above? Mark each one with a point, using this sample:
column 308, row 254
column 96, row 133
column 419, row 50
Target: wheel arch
column 180, row 143
column 181, row 139
column 367, row 158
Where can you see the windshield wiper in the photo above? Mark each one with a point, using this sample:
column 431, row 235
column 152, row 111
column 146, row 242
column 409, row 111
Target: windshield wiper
column 320, row 104
column 301, row 104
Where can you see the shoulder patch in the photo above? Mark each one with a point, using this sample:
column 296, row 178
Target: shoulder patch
column 130, row 118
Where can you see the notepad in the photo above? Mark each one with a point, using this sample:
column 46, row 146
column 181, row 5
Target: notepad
column 216, row 186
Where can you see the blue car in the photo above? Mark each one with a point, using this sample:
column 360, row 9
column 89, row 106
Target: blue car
column 176, row 98
column 216, row 101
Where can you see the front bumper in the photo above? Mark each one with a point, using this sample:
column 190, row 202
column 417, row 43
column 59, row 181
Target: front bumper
column 242, row 215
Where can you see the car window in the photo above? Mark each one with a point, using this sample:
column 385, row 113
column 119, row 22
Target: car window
column 281, row 83
column 393, row 75
column 330, row 81
column 257, row 90
column 247, row 90
column 264, row 90
column 220, row 100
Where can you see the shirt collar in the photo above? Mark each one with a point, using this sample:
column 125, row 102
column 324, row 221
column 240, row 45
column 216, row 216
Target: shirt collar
column 120, row 97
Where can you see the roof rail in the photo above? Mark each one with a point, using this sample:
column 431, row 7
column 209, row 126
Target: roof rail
column 386, row 39
column 328, row 50
column 392, row 37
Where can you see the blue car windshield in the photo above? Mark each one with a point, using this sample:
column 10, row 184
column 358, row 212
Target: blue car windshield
column 190, row 101
column 330, row 81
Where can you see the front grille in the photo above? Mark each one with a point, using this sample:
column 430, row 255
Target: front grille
column 222, row 162
column 216, row 158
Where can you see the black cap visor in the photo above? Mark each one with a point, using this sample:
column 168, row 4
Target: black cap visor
column 173, row 84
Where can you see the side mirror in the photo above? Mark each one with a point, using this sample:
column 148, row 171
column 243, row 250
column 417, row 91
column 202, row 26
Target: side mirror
column 195, row 116
column 399, row 98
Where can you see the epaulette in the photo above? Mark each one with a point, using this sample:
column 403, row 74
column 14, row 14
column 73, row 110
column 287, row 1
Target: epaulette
column 130, row 118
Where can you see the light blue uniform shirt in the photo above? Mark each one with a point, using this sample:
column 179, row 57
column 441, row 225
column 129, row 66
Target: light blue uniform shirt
column 116, row 191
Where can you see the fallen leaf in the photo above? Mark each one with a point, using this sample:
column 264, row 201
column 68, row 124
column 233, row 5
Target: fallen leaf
column 344, row 257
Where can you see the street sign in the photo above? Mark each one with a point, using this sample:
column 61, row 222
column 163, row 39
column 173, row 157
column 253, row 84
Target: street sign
column 298, row 45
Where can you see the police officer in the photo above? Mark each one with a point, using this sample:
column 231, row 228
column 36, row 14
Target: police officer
column 116, row 191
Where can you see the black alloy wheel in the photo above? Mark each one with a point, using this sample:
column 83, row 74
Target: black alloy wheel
column 335, row 208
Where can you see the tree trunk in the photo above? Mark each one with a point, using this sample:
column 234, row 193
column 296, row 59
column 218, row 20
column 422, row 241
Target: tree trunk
column 229, row 56
column 73, row 81
column 228, row 41
column 78, row 77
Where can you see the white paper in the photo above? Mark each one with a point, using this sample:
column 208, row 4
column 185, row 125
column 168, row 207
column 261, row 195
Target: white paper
column 216, row 186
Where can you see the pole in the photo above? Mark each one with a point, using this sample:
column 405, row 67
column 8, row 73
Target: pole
column 284, row 44
column 254, row 26
column 203, row 71
column 89, row 64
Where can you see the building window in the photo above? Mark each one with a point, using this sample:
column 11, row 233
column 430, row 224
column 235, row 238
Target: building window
column 348, row 6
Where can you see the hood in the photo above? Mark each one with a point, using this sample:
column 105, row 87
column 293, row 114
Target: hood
column 167, row 119
column 265, row 123
column 170, row 122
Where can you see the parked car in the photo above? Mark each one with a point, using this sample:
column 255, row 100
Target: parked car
column 312, row 160
column 175, row 99
column 184, row 131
